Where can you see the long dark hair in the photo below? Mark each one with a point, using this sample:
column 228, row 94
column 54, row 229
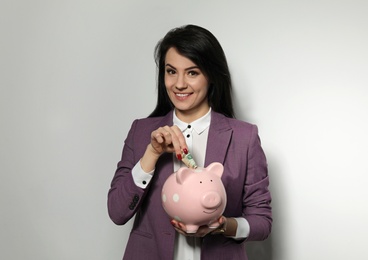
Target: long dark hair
column 202, row 48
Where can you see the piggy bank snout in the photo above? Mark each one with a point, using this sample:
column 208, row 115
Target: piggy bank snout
column 211, row 200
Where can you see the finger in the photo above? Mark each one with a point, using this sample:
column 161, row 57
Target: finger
column 180, row 231
column 177, row 227
column 204, row 230
column 167, row 135
column 182, row 227
column 172, row 139
column 222, row 220
column 174, row 223
column 180, row 143
column 161, row 139
column 158, row 136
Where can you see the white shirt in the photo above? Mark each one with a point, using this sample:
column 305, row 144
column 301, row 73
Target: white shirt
column 195, row 134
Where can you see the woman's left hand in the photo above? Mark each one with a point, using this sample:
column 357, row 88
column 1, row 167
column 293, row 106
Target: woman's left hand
column 202, row 230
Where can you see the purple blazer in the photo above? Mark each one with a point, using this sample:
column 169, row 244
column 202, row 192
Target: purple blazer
column 231, row 142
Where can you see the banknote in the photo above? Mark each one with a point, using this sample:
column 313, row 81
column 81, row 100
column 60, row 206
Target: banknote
column 188, row 160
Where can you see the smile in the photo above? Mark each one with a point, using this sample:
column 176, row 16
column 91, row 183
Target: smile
column 210, row 212
column 182, row 94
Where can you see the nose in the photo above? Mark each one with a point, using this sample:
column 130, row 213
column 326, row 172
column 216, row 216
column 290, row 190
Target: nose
column 211, row 200
column 180, row 83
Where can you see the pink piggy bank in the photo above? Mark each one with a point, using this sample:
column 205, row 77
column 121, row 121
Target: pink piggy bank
column 195, row 197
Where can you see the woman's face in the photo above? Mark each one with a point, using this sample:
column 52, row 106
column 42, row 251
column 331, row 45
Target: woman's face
column 186, row 86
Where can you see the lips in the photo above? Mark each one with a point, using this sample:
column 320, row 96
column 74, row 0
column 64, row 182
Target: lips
column 182, row 96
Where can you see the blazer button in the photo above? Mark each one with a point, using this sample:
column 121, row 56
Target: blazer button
column 131, row 206
column 136, row 198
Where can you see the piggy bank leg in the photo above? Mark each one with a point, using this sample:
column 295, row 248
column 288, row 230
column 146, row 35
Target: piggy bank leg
column 191, row 229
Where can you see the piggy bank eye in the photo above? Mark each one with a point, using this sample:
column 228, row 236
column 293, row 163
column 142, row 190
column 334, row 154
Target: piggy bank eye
column 211, row 180
column 200, row 181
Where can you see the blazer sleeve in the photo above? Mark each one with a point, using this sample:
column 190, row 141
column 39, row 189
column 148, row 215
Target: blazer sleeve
column 124, row 196
column 257, row 197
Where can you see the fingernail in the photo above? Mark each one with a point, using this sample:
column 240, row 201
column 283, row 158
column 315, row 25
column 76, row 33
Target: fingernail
column 185, row 150
column 178, row 156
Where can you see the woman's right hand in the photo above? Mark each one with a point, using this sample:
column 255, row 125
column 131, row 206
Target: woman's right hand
column 167, row 139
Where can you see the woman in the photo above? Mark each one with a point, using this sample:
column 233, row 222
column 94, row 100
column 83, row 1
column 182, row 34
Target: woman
column 194, row 113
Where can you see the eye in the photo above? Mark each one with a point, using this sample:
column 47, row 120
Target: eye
column 170, row 71
column 193, row 73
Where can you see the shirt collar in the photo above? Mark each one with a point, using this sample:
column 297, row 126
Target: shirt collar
column 198, row 125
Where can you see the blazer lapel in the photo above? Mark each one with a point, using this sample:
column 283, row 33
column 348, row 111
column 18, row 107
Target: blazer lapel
column 219, row 137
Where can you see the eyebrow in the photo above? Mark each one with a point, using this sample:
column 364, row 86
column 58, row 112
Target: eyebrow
column 190, row 68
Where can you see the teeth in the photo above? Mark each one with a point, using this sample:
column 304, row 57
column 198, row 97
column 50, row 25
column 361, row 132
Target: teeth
column 182, row 95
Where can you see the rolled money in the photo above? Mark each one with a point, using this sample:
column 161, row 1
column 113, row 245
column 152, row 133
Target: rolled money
column 188, row 160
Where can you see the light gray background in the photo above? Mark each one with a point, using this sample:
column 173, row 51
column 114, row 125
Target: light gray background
column 75, row 73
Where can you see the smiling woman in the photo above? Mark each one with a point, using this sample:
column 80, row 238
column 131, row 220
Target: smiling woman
column 194, row 112
column 186, row 86
column 205, row 53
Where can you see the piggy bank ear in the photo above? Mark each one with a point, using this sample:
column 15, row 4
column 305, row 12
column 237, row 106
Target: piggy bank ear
column 215, row 168
column 182, row 174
